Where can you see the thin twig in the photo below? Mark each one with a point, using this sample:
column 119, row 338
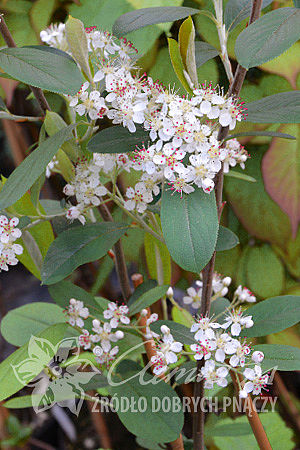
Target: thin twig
column 234, row 90
column 37, row 92
column 119, row 258
column 149, row 345
column 252, row 416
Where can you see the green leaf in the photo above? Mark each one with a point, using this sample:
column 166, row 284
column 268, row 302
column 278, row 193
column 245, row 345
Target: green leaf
column 77, row 40
column 240, row 176
column 278, row 108
column 204, row 52
column 262, row 260
column 40, row 14
column 77, row 246
column 63, row 291
column 36, row 68
column 186, row 41
column 261, row 133
column 268, row 37
column 226, row 239
column 282, row 357
column 158, row 259
column 10, row 383
column 177, row 63
column 281, row 173
column 228, row 434
column 180, row 332
column 117, row 139
column 24, row 176
column 19, row 324
column 157, row 426
column 134, row 20
column 273, row 315
column 238, row 10
column 256, row 211
column 190, row 228
column 147, row 299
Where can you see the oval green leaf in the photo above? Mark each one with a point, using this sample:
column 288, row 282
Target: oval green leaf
column 134, row 20
column 147, row 299
column 77, row 246
column 278, row 108
column 268, row 37
column 273, row 315
column 226, row 239
column 19, row 324
column 43, row 69
column 190, row 228
column 159, row 426
column 117, row 140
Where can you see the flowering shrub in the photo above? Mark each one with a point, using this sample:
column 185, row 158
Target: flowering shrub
column 136, row 156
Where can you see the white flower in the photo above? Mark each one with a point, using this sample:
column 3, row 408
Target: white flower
column 8, row 249
column 85, row 340
column 240, row 357
column 257, row 380
column 116, row 314
column 138, row 198
column 237, row 321
column 225, row 346
column 204, row 347
column 55, row 36
column 204, row 324
column 193, row 298
column 104, row 335
column 74, row 212
column 8, row 230
column 103, row 357
column 257, row 357
column 167, row 352
column 76, row 312
column 245, row 295
column 212, row 375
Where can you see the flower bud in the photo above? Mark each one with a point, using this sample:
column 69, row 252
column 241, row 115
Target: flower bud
column 170, row 292
column 97, row 350
column 119, row 334
column 257, row 357
column 164, row 329
column 226, row 281
column 243, row 394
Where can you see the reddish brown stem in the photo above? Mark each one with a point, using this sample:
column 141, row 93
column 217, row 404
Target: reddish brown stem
column 149, row 345
column 252, row 416
column 234, row 90
column 38, row 93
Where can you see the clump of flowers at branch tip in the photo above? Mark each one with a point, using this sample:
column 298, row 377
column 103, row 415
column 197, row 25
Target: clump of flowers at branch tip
column 9, row 250
column 104, row 333
column 182, row 150
column 218, row 342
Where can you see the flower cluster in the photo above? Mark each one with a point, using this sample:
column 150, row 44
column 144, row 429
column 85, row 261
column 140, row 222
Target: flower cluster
column 182, row 148
column 218, row 344
column 8, row 248
column 104, row 334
